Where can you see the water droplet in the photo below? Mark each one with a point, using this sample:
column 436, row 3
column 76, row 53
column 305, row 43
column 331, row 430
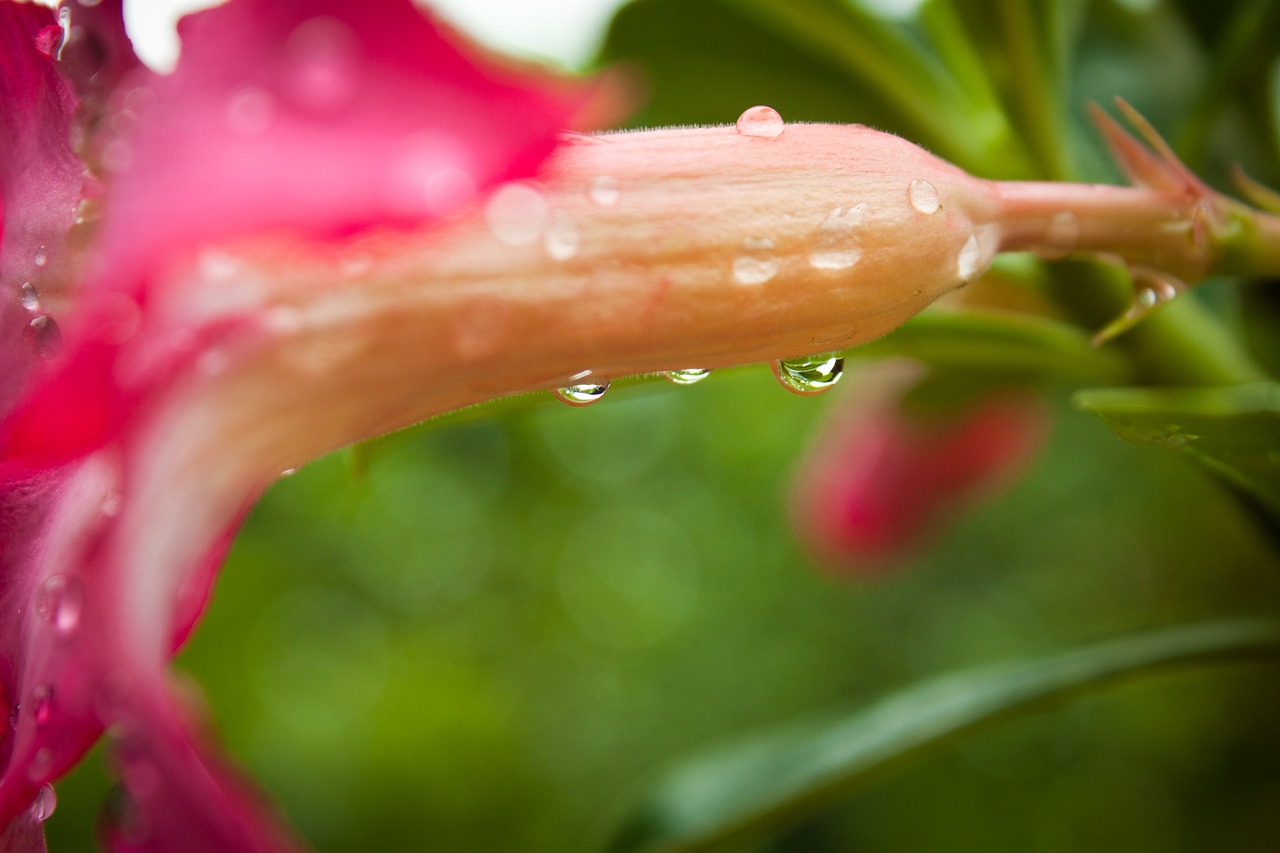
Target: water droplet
column 60, row 600
column 28, row 297
column 1147, row 297
column 562, row 238
column 42, row 704
column 762, row 122
column 42, row 254
column 43, row 337
column 809, row 375
column 324, row 71
column 977, row 252
column 250, row 111
column 924, row 196
column 1064, row 230
column 41, row 764
column 516, row 214
column 64, row 21
column 688, row 376
column 43, row 806
column 582, row 393
column 756, row 264
column 604, row 191
column 835, row 245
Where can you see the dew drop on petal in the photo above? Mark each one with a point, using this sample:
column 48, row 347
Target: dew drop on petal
column 325, row 70
column 250, row 111
column 924, row 196
column 836, row 245
column 761, row 122
column 60, row 600
column 43, row 806
column 43, row 336
column 42, row 704
column 42, row 256
column 516, row 214
column 28, row 297
column 562, row 238
column 688, row 376
column 809, row 375
column 604, row 191
column 41, row 764
column 756, row 264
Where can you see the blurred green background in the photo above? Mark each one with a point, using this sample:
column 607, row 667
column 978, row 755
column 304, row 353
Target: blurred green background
column 492, row 632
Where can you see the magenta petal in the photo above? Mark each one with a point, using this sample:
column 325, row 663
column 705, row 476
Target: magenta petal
column 41, row 184
column 118, row 495
column 320, row 118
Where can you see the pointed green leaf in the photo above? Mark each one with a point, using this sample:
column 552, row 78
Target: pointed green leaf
column 1233, row 430
column 750, row 790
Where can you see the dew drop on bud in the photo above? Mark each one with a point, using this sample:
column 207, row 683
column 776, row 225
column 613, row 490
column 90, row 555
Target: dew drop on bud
column 43, row 337
column 688, row 376
column 604, row 191
column 59, row 602
column 924, row 196
column 582, row 394
column 1147, row 298
column 43, row 806
column 836, row 244
column 811, row 374
column 42, row 704
column 762, row 122
column 977, row 252
column 756, row 264
column 516, row 214
column 562, row 238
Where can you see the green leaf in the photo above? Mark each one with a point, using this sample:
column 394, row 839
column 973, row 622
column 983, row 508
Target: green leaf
column 749, row 790
column 1234, row 431
column 1000, row 344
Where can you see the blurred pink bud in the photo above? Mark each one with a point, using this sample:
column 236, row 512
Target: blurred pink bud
column 883, row 479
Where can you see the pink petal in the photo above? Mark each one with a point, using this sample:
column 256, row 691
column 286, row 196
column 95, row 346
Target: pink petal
column 884, row 479
column 320, row 119
column 41, row 184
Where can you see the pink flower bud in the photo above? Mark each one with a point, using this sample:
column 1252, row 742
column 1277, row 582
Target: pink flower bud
column 883, row 479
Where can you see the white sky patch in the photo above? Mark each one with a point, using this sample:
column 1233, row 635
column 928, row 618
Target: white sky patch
column 564, row 32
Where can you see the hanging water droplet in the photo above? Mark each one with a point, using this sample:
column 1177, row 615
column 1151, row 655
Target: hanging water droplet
column 836, row 243
column 59, row 602
column 1147, row 297
column 762, row 122
column 43, row 806
column 28, row 297
column 42, row 704
column 604, row 191
column 924, row 196
column 809, row 375
column 562, row 238
column 43, row 336
column 756, row 264
column 516, row 214
column 582, row 394
column 42, row 254
column 688, row 376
